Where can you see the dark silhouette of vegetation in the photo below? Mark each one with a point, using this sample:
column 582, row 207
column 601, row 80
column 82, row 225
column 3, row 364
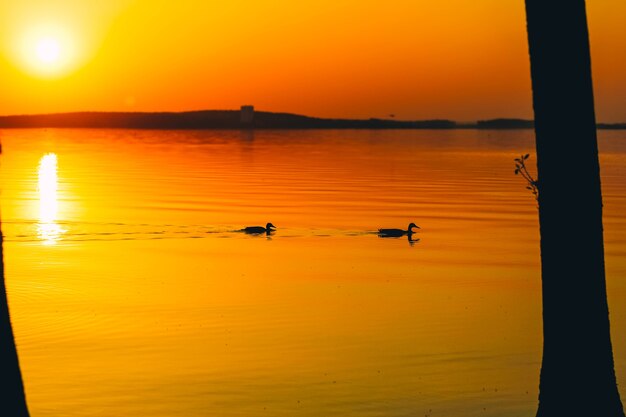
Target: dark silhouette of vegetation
column 577, row 373
column 12, row 398
column 505, row 124
column 520, row 169
column 208, row 119
column 231, row 119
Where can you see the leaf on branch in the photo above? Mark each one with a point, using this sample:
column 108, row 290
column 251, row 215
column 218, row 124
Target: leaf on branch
column 520, row 169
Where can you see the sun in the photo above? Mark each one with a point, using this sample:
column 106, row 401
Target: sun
column 48, row 55
column 48, row 51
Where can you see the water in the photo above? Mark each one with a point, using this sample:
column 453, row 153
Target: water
column 131, row 292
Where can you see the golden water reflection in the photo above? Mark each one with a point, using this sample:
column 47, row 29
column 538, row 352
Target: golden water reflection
column 48, row 230
column 149, row 304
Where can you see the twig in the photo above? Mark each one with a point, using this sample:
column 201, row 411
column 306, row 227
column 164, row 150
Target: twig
column 520, row 169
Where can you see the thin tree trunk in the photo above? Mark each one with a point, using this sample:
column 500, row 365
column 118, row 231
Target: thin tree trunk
column 12, row 398
column 577, row 374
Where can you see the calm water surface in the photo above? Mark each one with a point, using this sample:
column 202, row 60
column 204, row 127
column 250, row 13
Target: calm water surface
column 132, row 295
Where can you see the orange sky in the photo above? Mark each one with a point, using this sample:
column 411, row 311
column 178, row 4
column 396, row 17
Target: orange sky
column 417, row 59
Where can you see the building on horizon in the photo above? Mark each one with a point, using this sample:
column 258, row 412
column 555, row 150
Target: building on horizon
column 247, row 115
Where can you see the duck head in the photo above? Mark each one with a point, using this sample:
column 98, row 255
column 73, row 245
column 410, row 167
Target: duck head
column 270, row 226
column 411, row 226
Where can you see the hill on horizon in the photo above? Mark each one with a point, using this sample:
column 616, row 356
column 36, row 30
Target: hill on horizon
column 232, row 119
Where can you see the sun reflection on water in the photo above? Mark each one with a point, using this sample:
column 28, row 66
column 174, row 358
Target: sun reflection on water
column 48, row 230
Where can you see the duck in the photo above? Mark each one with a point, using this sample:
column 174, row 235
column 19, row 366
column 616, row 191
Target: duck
column 257, row 230
column 398, row 232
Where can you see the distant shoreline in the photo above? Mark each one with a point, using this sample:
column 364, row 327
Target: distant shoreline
column 232, row 119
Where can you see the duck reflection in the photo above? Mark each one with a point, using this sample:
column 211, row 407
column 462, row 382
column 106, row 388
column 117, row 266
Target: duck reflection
column 48, row 230
column 412, row 241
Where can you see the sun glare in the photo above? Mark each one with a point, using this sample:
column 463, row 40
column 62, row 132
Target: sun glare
column 48, row 229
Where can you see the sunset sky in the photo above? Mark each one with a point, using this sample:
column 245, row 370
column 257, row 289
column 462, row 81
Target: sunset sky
column 416, row 59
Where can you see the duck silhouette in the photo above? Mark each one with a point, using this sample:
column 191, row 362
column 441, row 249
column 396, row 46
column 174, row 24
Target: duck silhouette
column 398, row 232
column 257, row 230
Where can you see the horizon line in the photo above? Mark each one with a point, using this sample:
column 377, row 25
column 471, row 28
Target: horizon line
column 387, row 122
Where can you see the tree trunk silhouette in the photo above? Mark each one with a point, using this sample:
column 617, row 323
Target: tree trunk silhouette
column 12, row 398
column 577, row 373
